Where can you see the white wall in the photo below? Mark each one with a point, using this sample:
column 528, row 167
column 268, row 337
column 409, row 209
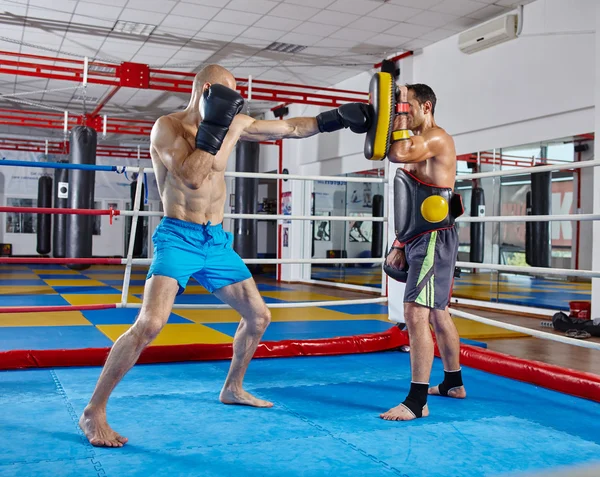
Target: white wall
column 537, row 87
column 340, row 152
column 269, row 154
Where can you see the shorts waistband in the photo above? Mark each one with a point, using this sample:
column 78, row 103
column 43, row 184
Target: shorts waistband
column 191, row 225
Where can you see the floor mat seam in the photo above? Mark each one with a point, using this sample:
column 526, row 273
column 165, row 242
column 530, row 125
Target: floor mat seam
column 345, row 442
column 92, row 457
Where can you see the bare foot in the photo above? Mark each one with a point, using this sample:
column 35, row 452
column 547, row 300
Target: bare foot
column 402, row 413
column 98, row 432
column 458, row 393
column 242, row 398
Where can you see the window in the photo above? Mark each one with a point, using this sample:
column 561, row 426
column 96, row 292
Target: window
column 20, row 223
column 561, row 152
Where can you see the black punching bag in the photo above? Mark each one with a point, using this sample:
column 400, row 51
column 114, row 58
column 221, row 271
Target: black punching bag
column 541, row 204
column 44, row 221
column 377, row 243
column 59, row 221
column 138, row 243
column 528, row 231
column 246, row 199
column 477, row 229
column 81, row 195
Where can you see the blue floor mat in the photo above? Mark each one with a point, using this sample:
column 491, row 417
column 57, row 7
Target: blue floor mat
column 307, row 330
column 325, row 421
column 52, row 337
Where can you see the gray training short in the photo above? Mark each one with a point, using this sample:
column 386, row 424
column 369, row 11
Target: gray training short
column 431, row 260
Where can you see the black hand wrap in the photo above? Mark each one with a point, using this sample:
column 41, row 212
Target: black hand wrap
column 356, row 116
column 218, row 106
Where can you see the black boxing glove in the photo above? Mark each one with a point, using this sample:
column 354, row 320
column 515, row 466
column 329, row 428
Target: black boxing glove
column 356, row 116
column 400, row 275
column 218, row 106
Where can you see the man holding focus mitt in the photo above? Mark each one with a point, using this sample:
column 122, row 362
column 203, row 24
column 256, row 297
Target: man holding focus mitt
column 425, row 251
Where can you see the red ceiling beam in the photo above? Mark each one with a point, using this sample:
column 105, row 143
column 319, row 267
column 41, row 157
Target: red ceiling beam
column 140, row 76
column 105, row 100
column 504, row 160
column 32, row 145
column 47, row 120
column 395, row 58
column 62, row 147
column 585, row 137
column 37, row 119
column 136, row 75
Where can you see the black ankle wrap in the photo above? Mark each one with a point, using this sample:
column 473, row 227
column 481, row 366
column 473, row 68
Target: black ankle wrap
column 417, row 398
column 452, row 379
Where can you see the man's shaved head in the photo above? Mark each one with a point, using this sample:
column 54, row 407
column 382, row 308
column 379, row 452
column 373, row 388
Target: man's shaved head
column 214, row 74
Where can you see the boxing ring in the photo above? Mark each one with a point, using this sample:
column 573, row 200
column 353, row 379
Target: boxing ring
column 329, row 378
column 328, row 392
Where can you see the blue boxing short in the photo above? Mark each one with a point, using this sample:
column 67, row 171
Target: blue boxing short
column 184, row 249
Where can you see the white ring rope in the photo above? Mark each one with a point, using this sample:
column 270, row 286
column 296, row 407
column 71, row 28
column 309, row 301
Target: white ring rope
column 530, row 218
column 379, row 180
column 271, row 216
column 484, row 219
column 527, row 331
column 134, row 223
column 564, row 272
column 266, row 175
column 480, row 266
column 459, row 177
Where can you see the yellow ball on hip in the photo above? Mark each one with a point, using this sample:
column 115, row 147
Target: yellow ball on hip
column 434, row 209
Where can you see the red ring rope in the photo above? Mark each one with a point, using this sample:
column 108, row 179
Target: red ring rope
column 388, row 340
column 42, row 309
column 61, row 261
column 564, row 380
column 58, row 210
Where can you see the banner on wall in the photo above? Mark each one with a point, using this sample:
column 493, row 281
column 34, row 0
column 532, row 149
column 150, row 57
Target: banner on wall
column 359, row 196
column 322, row 228
column 323, row 196
column 286, row 205
column 359, row 200
column 360, row 230
column 23, row 181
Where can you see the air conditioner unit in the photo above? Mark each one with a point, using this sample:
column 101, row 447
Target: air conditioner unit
column 488, row 34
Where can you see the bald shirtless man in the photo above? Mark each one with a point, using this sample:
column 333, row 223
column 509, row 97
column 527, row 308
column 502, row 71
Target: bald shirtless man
column 430, row 160
column 189, row 153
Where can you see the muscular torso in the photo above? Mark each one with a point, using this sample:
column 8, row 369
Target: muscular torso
column 439, row 170
column 205, row 203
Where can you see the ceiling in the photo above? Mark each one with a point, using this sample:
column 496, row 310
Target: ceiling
column 336, row 39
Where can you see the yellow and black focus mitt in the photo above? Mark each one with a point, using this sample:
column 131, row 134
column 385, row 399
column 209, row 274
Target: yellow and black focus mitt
column 382, row 98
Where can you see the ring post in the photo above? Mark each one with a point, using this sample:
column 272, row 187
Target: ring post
column 134, row 221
